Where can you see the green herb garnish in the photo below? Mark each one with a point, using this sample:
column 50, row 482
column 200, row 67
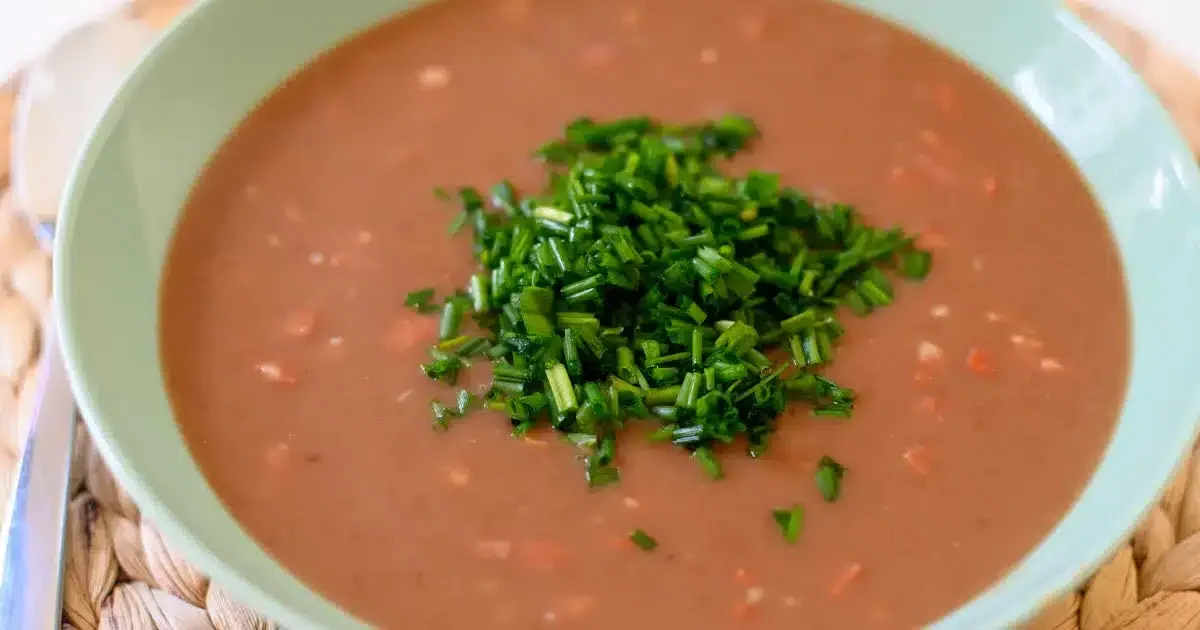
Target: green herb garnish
column 464, row 402
column 642, row 540
column 829, row 478
column 452, row 316
column 703, row 455
column 915, row 264
column 420, row 300
column 441, row 415
column 643, row 282
column 444, row 366
column 790, row 522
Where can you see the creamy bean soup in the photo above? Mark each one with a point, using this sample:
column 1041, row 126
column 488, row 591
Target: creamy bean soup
column 983, row 394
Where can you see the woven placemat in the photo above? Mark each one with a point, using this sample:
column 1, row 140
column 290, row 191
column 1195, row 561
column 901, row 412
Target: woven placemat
column 121, row 574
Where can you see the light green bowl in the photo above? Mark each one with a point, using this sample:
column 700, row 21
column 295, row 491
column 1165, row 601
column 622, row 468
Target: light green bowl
column 214, row 66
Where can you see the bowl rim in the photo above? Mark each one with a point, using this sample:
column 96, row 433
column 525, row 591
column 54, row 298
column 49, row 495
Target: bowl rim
column 181, row 535
column 173, row 528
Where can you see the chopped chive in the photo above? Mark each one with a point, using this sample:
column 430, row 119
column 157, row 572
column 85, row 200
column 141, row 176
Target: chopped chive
column 643, row 280
column 586, row 284
column 662, row 395
column 452, row 315
column 464, row 402
column 474, row 347
column 571, row 353
column 452, row 343
column 553, row 214
column 600, row 475
column 873, row 294
column 419, row 301
column 738, row 339
column 758, row 360
column 443, row 368
column 460, row 220
column 758, row 231
column 535, row 305
column 504, row 197
column 642, row 540
column 561, row 388
column 480, row 292
column 510, row 387
column 834, row 410
column 688, row 391
column 915, row 264
column 662, row 434
column 670, row 358
column 664, row 375
column 708, row 463
column 829, row 478
column 790, row 522
column 667, row 414
column 502, row 371
column 441, row 415
column 562, row 257
column 800, row 321
column 857, row 303
column 796, row 348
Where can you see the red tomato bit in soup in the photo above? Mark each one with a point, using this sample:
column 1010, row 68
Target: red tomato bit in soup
column 978, row 362
column 846, row 579
column 991, row 186
column 947, row 101
column 748, row 606
column 743, row 611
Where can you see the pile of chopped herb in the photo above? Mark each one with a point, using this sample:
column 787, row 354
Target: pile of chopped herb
column 643, row 284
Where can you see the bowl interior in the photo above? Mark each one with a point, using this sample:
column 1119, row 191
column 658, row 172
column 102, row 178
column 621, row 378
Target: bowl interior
column 217, row 64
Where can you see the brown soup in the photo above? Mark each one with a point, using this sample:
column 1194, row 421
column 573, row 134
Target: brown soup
column 292, row 364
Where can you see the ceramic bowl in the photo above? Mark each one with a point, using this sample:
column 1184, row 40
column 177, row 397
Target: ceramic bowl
column 211, row 69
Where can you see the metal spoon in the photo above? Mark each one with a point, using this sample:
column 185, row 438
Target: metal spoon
column 30, row 586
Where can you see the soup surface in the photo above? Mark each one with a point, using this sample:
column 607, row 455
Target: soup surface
column 987, row 392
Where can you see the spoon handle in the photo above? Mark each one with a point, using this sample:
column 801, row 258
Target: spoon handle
column 30, row 585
